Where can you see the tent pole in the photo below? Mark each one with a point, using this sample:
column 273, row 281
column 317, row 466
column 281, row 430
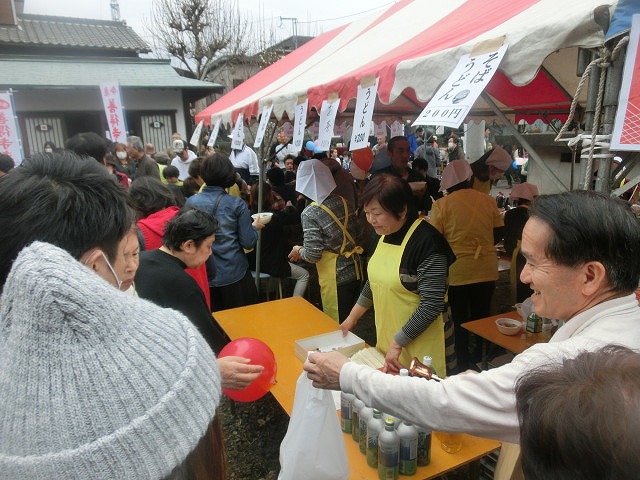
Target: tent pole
column 532, row 153
column 259, row 242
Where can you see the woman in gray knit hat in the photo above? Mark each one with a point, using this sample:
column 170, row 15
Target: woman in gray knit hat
column 94, row 383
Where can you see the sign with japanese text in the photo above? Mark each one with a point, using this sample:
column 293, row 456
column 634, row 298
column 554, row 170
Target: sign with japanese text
column 299, row 123
column 328, row 114
column 213, row 136
column 113, row 110
column 363, row 114
column 9, row 133
column 237, row 136
column 262, row 127
column 287, row 128
column 195, row 138
column 454, row 99
column 626, row 128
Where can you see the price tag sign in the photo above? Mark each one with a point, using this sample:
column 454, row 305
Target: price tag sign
column 363, row 114
column 397, row 129
column 453, row 101
column 262, row 127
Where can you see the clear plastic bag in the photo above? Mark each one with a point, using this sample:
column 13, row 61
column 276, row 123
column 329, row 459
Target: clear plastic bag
column 313, row 448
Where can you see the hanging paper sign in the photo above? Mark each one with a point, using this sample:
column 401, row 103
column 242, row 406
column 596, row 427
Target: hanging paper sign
column 237, row 136
column 454, row 99
column 314, row 130
column 262, row 127
column 113, row 110
column 299, row 122
column 9, row 133
column 287, row 128
column 213, row 136
column 397, row 129
column 381, row 129
column 626, row 128
column 363, row 114
column 195, row 138
column 328, row 114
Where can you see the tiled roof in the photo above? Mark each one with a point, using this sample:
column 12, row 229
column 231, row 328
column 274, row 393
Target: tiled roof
column 77, row 72
column 51, row 31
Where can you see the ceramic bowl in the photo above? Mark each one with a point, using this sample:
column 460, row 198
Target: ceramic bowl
column 508, row 326
column 265, row 217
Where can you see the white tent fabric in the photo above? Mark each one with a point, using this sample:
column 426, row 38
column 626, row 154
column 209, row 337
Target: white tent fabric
column 414, row 45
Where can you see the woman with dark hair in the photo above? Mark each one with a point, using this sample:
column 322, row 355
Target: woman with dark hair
column 274, row 249
column 156, row 206
column 407, row 277
column 230, row 281
column 471, row 223
column 123, row 163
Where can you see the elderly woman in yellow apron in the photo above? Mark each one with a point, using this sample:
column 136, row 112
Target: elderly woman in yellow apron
column 329, row 239
column 471, row 223
column 407, row 280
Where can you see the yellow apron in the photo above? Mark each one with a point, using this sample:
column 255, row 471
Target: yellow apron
column 394, row 304
column 326, row 266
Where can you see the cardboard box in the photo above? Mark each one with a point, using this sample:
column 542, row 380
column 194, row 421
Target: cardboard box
column 329, row 342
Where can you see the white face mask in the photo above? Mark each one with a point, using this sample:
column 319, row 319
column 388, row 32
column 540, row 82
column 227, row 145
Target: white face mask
column 121, row 155
column 113, row 272
column 48, row 150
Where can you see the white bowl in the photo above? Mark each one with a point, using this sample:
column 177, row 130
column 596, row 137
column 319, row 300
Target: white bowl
column 508, row 326
column 265, row 217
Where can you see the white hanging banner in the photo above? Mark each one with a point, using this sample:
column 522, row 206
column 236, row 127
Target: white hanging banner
column 397, row 129
column 299, row 122
column 262, row 127
column 113, row 110
column 626, row 127
column 213, row 136
column 453, row 101
column 237, row 136
column 9, row 132
column 195, row 138
column 363, row 114
column 328, row 114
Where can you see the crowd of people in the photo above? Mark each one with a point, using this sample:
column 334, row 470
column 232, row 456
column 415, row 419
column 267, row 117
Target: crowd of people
column 100, row 240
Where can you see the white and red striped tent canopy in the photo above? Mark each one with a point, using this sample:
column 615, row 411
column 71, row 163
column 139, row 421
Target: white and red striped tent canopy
column 415, row 44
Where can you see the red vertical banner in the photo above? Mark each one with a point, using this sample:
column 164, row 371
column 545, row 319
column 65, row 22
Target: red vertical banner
column 626, row 128
column 9, row 132
column 110, row 92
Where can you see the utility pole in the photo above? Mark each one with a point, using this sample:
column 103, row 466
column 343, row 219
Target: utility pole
column 115, row 11
column 294, row 28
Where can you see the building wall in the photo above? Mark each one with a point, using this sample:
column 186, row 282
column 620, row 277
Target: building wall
column 87, row 101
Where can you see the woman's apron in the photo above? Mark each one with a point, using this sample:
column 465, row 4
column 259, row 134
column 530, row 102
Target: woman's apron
column 394, row 304
column 326, row 266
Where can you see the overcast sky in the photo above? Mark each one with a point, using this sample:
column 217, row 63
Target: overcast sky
column 313, row 17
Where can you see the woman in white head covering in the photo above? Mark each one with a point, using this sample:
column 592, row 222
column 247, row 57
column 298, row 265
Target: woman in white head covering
column 468, row 219
column 329, row 239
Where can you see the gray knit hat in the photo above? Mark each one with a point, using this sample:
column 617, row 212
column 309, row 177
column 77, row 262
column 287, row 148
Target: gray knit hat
column 95, row 383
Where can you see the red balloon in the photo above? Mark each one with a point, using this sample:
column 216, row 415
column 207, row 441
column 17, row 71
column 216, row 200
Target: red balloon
column 260, row 354
column 363, row 158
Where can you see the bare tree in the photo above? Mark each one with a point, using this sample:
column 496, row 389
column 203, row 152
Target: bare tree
column 200, row 33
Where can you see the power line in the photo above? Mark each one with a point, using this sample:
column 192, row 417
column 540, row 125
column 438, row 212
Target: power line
column 351, row 15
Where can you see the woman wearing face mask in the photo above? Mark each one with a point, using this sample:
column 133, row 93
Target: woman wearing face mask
column 49, row 147
column 123, row 163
